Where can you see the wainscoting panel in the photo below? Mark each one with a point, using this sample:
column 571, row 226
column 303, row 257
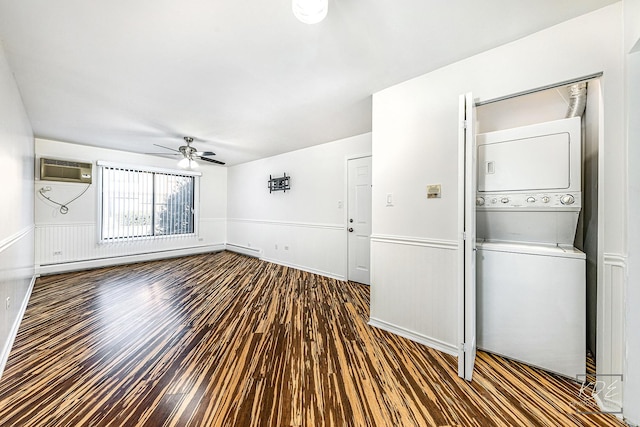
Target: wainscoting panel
column 314, row 247
column 59, row 243
column 610, row 334
column 16, row 281
column 67, row 244
column 212, row 230
column 414, row 289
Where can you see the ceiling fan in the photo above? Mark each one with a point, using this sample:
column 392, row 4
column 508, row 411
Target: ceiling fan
column 189, row 154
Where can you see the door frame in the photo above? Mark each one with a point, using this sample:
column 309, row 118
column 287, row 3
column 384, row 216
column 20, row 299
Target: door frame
column 345, row 208
column 461, row 175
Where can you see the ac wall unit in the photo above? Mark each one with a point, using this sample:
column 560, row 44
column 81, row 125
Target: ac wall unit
column 65, row 170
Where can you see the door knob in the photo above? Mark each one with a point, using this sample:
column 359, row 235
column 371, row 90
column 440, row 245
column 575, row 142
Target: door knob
column 350, row 229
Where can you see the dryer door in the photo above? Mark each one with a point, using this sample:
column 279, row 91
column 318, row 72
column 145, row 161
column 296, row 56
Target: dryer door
column 535, row 163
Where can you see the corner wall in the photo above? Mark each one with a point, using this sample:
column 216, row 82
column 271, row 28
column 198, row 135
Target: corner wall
column 631, row 25
column 632, row 290
column 16, row 215
column 70, row 242
column 305, row 226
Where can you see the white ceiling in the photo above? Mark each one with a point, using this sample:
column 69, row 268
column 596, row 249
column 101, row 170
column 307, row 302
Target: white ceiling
column 243, row 77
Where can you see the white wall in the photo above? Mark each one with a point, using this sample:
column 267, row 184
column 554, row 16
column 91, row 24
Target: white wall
column 415, row 137
column 16, row 214
column 632, row 290
column 632, row 378
column 69, row 242
column 632, row 25
column 309, row 219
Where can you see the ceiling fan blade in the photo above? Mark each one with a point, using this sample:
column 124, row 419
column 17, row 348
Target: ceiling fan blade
column 204, row 153
column 162, row 146
column 211, row 160
column 164, row 154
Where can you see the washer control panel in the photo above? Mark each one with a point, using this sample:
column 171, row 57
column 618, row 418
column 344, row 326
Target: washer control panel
column 532, row 200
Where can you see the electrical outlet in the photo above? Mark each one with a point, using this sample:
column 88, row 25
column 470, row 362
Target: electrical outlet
column 286, row 247
column 248, row 245
column 57, row 253
column 8, row 303
column 200, row 239
column 276, row 246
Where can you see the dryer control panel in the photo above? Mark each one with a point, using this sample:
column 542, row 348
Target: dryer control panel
column 533, row 201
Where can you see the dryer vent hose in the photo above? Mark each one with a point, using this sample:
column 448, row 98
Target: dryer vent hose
column 577, row 99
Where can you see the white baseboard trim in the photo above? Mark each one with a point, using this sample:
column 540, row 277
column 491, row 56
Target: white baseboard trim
column 257, row 253
column 307, row 269
column 126, row 259
column 609, row 407
column 414, row 336
column 244, row 250
column 4, row 355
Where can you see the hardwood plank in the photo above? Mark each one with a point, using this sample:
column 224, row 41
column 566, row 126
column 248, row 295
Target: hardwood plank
column 226, row 340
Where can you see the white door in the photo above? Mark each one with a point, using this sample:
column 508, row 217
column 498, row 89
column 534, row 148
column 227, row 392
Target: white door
column 467, row 151
column 359, row 218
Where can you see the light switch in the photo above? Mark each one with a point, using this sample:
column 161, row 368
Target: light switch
column 389, row 199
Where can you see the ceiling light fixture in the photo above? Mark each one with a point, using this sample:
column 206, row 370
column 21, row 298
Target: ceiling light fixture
column 310, row 11
column 187, row 163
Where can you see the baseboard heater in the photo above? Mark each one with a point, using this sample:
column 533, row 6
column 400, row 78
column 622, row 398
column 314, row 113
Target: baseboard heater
column 99, row 262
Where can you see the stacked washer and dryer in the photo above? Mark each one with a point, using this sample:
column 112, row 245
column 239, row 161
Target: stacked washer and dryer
column 531, row 286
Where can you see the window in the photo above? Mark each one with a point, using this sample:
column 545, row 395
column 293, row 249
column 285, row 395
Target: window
column 137, row 203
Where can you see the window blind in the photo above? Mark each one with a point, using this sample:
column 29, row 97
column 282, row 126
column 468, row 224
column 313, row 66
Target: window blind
column 140, row 203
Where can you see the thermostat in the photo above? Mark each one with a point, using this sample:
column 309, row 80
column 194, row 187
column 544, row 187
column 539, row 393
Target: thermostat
column 434, row 191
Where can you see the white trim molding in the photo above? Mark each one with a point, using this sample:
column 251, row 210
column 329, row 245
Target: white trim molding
column 358, row 156
column 414, row 336
column 5, row 243
column 307, row 269
column 258, row 253
column 212, row 219
column 615, row 259
column 415, row 241
column 288, row 223
column 244, row 250
column 610, row 352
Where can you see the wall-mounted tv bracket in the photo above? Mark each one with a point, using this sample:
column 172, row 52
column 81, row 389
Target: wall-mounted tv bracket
column 279, row 183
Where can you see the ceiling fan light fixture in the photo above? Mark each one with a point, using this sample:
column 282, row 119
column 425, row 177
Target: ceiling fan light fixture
column 187, row 163
column 310, row 11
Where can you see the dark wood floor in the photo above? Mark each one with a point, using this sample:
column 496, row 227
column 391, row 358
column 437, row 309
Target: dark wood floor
column 225, row 340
